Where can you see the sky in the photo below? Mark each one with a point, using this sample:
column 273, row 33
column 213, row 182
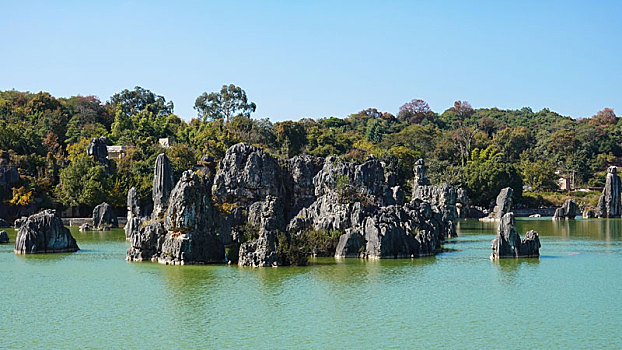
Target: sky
column 300, row 59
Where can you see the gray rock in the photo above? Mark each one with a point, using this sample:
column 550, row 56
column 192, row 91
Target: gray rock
column 162, row 185
column 588, row 214
column 44, row 233
column 261, row 252
column 104, row 217
column 18, row 222
column 507, row 243
column 609, row 205
column 189, row 206
column 85, row 228
column 146, row 242
column 567, row 211
column 247, row 175
column 133, row 214
column 421, row 171
column 503, row 204
column 4, row 237
column 196, row 247
column 97, row 149
column 351, row 245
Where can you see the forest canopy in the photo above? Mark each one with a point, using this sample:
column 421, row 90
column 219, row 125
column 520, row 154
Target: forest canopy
column 482, row 149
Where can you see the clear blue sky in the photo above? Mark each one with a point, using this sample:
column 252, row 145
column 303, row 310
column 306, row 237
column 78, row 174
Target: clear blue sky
column 322, row 58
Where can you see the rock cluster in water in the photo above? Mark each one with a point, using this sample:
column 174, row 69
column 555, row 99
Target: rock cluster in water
column 44, row 233
column 104, row 217
column 503, row 205
column 568, row 211
column 4, row 237
column 609, row 205
column 254, row 192
column 508, row 244
column 447, row 199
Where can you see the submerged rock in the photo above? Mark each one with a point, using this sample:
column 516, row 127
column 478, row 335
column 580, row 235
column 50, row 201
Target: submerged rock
column 162, row 185
column 85, row 228
column 588, row 214
column 4, row 237
column 44, row 233
column 507, row 243
column 609, row 205
column 567, row 211
column 104, row 217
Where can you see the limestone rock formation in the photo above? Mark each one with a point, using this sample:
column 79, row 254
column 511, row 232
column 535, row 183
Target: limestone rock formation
column 407, row 231
column 507, row 243
column 97, row 149
column 162, row 185
column 588, row 213
column 503, row 205
column 197, row 247
column 447, row 199
column 4, row 237
column 18, row 222
column 146, row 242
column 85, row 227
column 44, row 233
column 253, row 192
column 104, row 217
column 609, row 205
column 260, row 252
column 133, row 214
column 567, row 211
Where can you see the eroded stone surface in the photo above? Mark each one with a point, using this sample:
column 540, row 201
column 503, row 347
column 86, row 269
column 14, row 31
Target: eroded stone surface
column 44, row 233
column 609, row 205
column 507, row 243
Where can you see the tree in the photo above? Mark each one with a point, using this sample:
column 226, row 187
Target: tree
column 415, row 111
column 463, row 109
column 231, row 101
column 291, row 136
column 487, row 173
column 131, row 102
column 605, row 117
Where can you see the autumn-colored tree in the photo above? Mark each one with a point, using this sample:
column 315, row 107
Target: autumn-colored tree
column 605, row 117
column 415, row 111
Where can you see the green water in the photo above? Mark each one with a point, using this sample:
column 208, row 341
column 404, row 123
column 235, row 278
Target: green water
column 570, row 298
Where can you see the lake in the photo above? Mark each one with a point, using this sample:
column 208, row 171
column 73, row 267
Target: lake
column 569, row 298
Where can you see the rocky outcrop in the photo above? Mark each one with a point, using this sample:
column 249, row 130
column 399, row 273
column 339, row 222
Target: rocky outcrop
column 4, row 237
column 162, row 185
column 567, row 211
column 146, row 242
column 44, row 233
column 503, row 205
column 18, row 222
column 185, row 235
column 85, row 228
column 447, row 199
column 507, row 243
column 253, row 194
column 609, row 205
column 104, row 217
column 196, row 247
column 588, row 213
column 97, row 149
column 395, row 231
column 261, row 252
column 133, row 214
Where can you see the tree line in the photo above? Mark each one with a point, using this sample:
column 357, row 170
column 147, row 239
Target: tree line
column 482, row 149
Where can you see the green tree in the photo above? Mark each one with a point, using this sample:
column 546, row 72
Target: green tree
column 230, row 101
